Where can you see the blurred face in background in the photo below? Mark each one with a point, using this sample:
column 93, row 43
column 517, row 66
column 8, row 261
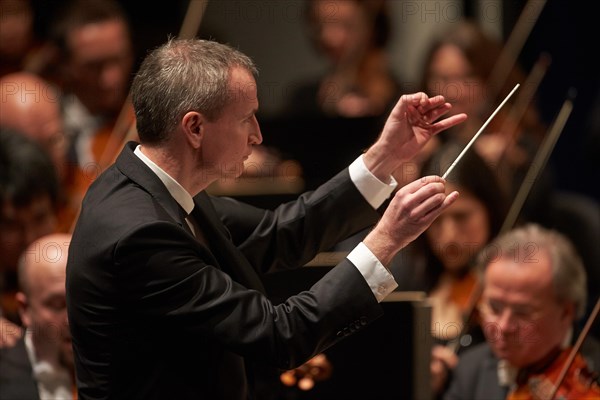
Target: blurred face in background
column 21, row 224
column 343, row 29
column 100, row 64
column 522, row 318
column 42, row 301
column 460, row 232
column 31, row 106
column 16, row 29
column 450, row 75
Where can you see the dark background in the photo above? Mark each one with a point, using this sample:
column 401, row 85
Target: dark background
column 565, row 30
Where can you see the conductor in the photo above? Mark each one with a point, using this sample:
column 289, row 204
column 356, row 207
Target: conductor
column 164, row 294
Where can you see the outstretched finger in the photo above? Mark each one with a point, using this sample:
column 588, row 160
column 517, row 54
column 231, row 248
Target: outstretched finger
column 426, row 206
column 448, row 123
column 435, row 211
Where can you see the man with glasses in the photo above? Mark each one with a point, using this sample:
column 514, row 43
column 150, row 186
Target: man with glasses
column 534, row 290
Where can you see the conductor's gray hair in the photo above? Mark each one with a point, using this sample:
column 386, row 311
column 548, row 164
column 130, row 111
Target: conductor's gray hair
column 181, row 76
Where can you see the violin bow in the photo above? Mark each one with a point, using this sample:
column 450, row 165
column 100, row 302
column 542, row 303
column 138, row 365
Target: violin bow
column 575, row 350
column 522, row 102
column 539, row 162
column 514, row 44
column 534, row 170
column 124, row 129
column 193, row 19
column 500, row 73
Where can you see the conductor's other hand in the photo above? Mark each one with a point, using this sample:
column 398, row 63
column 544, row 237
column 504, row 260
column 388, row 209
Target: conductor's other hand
column 412, row 122
column 411, row 211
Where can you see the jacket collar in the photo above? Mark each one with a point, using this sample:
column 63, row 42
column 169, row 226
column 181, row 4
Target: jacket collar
column 135, row 169
column 227, row 256
column 232, row 260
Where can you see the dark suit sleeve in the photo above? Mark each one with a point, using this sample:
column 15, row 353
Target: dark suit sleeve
column 295, row 232
column 16, row 375
column 172, row 281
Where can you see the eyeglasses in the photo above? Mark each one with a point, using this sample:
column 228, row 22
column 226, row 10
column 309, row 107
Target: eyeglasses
column 493, row 310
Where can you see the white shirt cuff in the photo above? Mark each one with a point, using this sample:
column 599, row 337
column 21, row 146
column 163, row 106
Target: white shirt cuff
column 377, row 276
column 372, row 189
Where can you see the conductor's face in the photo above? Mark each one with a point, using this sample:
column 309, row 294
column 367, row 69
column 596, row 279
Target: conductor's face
column 228, row 139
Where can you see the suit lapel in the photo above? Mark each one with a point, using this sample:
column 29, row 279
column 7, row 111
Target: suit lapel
column 131, row 166
column 230, row 258
column 226, row 256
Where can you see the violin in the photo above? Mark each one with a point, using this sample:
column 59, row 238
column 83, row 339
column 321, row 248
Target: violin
column 578, row 383
column 78, row 179
column 565, row 377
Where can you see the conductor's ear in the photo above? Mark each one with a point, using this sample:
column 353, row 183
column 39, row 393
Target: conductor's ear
column 193, row 128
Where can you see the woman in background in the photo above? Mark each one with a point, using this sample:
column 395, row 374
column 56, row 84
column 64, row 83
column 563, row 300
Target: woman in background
column 440, row 262
column 351, row 35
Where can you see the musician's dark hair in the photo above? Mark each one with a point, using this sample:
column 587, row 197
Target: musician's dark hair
column 376, row 10
column 75, row 14
column 471, row 175
column 26, row 170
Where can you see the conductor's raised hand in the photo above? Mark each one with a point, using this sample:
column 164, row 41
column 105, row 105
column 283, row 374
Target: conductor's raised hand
column 413, row 208
column 413, row 121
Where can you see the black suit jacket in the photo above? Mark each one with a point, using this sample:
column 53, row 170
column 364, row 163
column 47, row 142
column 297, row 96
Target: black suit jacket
column 16, row 375
column 476, row 376
column 154, row 313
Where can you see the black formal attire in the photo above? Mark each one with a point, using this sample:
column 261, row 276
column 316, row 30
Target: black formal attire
column 16, row 374
column 156, row 313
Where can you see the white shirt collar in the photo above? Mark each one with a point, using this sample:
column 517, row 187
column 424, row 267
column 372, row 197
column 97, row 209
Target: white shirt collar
column 53, row 381
column 180, row 195
column 507, row 374
column 80, row 126
column 77, row 117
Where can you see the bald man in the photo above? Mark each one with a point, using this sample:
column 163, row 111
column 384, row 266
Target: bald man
column 40, row 365
column 31, row 106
